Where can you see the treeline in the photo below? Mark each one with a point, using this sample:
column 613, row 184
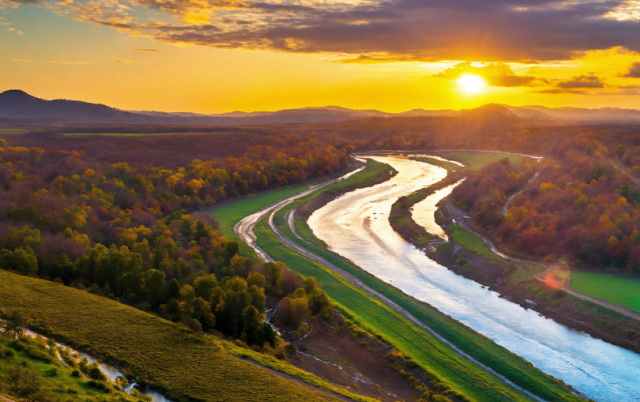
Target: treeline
column 126, row 233
column 582, row 208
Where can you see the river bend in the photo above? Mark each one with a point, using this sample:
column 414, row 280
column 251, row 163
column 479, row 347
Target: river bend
column 356, row 226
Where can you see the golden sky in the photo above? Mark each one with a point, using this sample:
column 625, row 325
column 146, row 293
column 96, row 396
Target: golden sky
column 213, row 56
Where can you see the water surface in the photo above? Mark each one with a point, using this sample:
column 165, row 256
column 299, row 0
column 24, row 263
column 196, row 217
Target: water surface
column 356, row 226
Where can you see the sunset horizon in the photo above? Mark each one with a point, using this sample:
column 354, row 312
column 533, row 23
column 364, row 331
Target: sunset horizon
column 224, row 56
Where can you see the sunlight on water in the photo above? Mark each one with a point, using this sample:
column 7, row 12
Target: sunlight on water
column 357, row 227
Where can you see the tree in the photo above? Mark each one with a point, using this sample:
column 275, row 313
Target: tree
column 252, row 325
column 274, row 276
column 204, row 286
column 291, row 312
column 16, row 324
column 154, row 284
column 22, row 260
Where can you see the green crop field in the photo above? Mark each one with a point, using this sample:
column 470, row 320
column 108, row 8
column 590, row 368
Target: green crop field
column 179, row 364
column 614, row 289
column 478, row 160
column 143, row 134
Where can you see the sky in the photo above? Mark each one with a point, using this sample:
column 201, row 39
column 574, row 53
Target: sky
column 215, row 56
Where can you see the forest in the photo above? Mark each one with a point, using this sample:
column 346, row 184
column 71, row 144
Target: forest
column 582, row 208
column 139, row 235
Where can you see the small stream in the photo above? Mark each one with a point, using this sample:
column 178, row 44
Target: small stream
column 110, row 372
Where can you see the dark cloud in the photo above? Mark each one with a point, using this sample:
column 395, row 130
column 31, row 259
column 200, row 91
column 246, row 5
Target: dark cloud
column 428, row 30
column 582, row 81
column 634, row 71
column 562, row 91
column 496, row 74
column 145, row 49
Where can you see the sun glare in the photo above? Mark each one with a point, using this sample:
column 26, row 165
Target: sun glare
column 471, row 84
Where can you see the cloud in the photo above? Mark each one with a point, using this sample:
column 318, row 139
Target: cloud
column 496, row 74
column 17, row 3
column 22, row 60
column 145, row 49
column 71, row 62
column 131, row 62
column 562, row 91
column 16, row 31
column 582, row 81
column 378, row 30
column 634, row 71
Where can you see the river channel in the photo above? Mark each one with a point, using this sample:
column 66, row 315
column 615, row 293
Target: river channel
column 356, row 226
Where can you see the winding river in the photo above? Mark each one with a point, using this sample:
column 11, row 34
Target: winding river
column 356, row 226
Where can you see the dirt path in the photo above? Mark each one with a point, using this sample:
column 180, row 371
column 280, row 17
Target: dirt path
column 505, row 208
column 388, row 302
column 244, row 228
column 4, row 399
column 615, row 307
column 460, row 217
column 625, row 169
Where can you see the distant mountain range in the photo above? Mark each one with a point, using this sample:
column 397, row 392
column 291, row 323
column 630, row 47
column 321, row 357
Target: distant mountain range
column 18, row 105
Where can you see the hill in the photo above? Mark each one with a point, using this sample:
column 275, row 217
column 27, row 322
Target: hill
column 180, row 365
column 19, row 107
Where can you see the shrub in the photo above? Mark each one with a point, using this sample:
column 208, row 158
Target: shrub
column 75, row 373
column 96, row 374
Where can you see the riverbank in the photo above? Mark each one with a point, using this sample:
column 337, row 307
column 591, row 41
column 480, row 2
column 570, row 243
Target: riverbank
column 471, row 342
column 514, row 280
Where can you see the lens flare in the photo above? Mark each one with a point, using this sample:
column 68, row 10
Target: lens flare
column 471, row 84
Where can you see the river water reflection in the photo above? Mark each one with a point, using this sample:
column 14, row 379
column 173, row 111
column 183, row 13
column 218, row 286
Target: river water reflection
column 357, row 227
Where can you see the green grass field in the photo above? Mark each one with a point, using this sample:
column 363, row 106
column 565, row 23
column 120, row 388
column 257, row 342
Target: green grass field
column 142, row 134
column 614, row 289
column 55, row 377
column 179, row 364
column 478, row 160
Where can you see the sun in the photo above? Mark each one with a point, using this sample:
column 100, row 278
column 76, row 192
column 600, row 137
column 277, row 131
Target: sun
column 471, row 84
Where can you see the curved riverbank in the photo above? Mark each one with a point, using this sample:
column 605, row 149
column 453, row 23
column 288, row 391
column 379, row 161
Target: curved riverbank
column 356, row 226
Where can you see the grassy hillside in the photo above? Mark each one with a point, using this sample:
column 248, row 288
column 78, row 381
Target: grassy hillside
column 51, row 378
column 614, row 289
column 180, row 365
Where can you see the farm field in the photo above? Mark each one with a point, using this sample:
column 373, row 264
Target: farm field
column 614, row 289
column 177, row 363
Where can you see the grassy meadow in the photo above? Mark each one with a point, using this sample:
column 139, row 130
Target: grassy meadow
column 614, row 289
column 177, row 363
column 55, row 378
column 478, row 160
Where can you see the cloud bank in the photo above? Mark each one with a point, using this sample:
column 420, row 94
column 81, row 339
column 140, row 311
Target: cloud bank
column 373, row 31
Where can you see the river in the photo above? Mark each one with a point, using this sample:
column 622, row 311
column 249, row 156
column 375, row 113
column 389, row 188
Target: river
column 356, row 226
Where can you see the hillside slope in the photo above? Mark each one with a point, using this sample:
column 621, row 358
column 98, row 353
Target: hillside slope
column 180, row 365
